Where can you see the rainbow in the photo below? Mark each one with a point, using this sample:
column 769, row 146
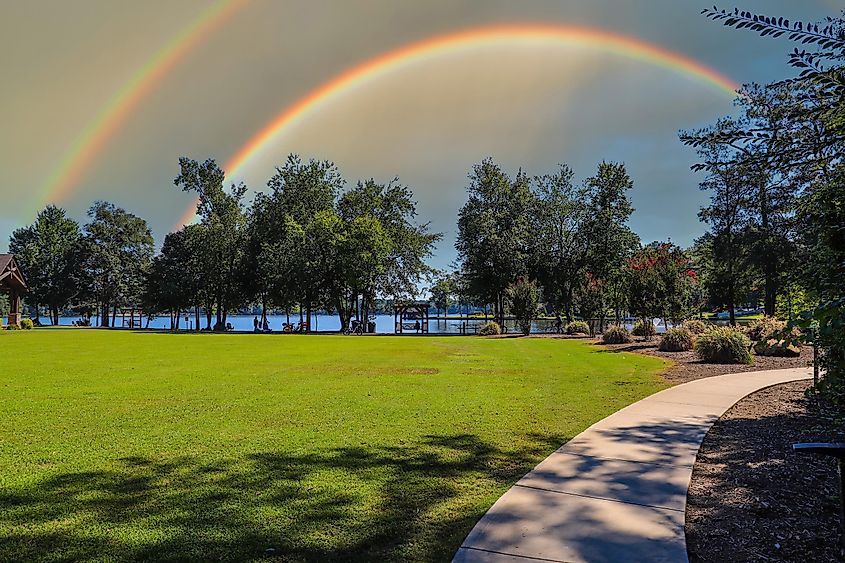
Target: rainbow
column 92, row 139
column 386, row 63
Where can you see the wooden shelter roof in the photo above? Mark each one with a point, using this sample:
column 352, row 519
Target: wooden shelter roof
column 11, row 278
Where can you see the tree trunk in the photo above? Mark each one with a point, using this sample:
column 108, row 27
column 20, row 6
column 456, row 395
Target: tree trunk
column 263, row 311
column 768, row 253
column 308, row 317
column 197, row 317
column 731, row 304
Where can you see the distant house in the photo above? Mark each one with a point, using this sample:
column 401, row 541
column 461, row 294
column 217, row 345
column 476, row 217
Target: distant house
column 13, row 283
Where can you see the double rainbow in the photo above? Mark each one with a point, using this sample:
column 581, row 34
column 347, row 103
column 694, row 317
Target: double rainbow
column 379, row 66
column 91, row 140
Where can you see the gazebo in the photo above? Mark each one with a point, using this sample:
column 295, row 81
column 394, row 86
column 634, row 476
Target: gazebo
column 411, row 317
column 13, row 283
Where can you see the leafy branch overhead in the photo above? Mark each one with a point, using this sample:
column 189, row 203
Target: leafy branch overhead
column 830, row 39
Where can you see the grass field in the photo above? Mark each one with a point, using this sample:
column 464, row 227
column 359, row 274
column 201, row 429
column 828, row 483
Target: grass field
column 119, row 445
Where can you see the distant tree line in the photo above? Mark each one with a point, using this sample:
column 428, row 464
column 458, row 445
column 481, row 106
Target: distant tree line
column 571, row 242
column 309, row 243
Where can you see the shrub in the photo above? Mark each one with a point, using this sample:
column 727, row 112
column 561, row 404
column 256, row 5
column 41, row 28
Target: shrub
column 724, row 345
column 677, row 339
column 616, row 334
column 784, row 348
column 764, row 328
column 695, row 326
column 490, row 328
column 524, row 299
column 769, row 340
column 26, row 324
column 644, row 327
column 577, row 327
column 12, row 327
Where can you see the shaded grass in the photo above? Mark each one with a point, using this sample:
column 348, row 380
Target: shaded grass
column 120, row 445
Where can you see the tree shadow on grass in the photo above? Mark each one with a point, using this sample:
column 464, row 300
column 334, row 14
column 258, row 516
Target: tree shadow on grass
column 415, row 501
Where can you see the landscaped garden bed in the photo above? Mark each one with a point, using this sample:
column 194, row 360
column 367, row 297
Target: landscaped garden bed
column 751, row 497
column 688, row 366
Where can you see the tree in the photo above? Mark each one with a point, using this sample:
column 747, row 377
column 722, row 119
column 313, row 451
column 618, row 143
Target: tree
column 753, row 146
column 48, row 252
column 661, row 282
column 175, row 278
column 381, row 218
column 494, row 233
column 524, row 300
column 442, row 291
column 732, row 186
column 608, row 239
column 117, row 248
column 560, row 221
column 223, row 223
column 283, row 233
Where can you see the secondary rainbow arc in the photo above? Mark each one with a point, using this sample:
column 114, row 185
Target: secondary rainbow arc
column 92, row 139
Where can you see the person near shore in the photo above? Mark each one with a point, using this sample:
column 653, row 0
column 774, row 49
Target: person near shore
column 255, row 324
column 266, row 326
column 558, row 323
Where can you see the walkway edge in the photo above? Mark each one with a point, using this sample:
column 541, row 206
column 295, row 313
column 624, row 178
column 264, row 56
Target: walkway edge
column 616, row 491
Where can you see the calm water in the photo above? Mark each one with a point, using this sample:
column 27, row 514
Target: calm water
column 330, row 323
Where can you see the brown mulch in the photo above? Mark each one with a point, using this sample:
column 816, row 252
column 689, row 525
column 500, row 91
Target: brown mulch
column 751, row 498
column 688, row 367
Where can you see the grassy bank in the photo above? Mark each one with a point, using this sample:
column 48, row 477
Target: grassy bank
column 121, row 445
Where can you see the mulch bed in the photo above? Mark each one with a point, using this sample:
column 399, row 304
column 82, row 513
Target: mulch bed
column 688, row 367
column 751, row 497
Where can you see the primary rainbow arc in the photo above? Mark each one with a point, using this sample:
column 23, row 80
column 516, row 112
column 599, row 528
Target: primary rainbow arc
column 598, row 39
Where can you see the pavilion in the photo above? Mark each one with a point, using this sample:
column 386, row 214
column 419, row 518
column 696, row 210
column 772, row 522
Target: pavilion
column 13, row 283
column 414, row 311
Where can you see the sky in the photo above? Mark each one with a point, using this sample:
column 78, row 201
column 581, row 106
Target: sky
column 102, row 97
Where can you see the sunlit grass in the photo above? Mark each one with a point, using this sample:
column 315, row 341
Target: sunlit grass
column 159, row 446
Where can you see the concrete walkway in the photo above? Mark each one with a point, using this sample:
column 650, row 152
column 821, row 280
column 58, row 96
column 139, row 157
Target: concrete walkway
column 618, row 490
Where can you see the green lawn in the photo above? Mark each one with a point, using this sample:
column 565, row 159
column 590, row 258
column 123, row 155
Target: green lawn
column 119, row 445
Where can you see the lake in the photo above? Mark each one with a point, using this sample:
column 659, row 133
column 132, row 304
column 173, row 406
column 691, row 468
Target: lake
column 331, row 323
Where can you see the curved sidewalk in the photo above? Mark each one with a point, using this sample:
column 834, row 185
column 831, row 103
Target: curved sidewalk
column 618, row 490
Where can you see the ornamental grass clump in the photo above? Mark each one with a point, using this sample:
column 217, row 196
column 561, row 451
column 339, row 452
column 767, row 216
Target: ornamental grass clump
column 490, row 328
column 764, row 328
column 724, row 345
column 770, row 338
column 644, row 328
column 677, row 339
column 616, row 334
column 26, row 324
column 577, row 327
column 695, row 326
